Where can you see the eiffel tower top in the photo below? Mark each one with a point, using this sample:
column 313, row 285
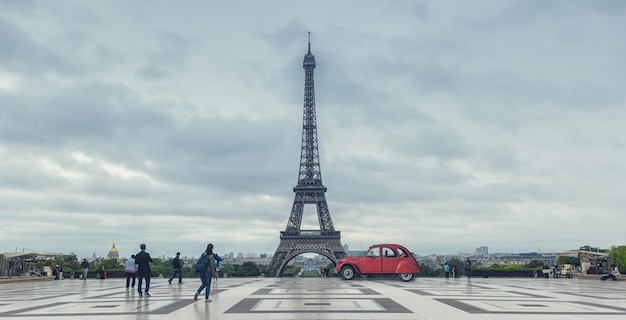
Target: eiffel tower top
column 309, row 58
column 310, row 175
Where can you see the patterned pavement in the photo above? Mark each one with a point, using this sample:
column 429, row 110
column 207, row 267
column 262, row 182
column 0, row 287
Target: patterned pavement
column 289, row 298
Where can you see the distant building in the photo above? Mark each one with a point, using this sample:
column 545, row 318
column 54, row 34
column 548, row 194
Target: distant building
column 25, row 263
column 483, row 251
column 113, row 254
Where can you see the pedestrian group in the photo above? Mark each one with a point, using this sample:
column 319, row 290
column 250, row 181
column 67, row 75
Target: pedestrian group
column 138, row 268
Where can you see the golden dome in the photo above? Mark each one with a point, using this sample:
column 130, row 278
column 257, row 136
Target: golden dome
column 113, row 254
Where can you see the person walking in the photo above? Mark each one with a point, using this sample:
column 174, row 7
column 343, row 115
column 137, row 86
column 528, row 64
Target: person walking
column 101, row 274
column 85, row 266
column 143, row 260
column 556, row 271
column 56, row 272
column 446, row 270
column 177, row 269
column 468, row 267
column 218, row 259
column 130, row 271
column 207, row 270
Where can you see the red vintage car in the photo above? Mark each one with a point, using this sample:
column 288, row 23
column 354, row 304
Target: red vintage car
column 380, row 259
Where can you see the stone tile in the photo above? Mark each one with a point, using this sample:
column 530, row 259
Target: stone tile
column 289, row 298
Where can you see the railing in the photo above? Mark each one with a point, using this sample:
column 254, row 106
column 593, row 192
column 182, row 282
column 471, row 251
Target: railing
column 309, row 233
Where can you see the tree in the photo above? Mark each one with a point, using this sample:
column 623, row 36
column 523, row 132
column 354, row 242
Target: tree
column 73, row 262
column 454, row 262
column 228, row 268
column 575, row 261
column 249, row 268
column 110, row 265
column 291, row 271
column 535, row 264
column 428, row 271
column 594, row 249
column 619, row 254
column 162, row 267
column 263, row 270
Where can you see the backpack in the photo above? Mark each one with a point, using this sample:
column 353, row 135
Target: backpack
column 203, row 263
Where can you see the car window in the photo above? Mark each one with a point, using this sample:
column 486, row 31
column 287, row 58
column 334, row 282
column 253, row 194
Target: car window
column 402, row 253
column 388, row 252
column 374, row 252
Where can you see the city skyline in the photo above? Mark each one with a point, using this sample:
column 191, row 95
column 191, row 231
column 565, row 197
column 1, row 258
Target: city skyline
column 481, row 251
column 443, row 126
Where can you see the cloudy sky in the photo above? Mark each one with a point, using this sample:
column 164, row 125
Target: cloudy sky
column 443, row 125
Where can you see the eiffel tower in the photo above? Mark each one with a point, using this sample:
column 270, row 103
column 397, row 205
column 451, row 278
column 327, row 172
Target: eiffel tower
column 309, row 190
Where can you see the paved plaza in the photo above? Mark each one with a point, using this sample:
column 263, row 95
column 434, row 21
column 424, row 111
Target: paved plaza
column 320, row 298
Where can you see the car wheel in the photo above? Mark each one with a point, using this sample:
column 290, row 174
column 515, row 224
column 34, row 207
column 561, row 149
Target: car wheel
column 347, row 272
column 406, row 276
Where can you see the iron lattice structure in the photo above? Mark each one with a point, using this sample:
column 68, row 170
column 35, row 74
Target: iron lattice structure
column 309, row 190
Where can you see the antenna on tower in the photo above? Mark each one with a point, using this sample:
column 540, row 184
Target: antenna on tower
column 309, row 41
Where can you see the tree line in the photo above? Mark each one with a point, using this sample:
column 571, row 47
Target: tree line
column 250, row 269
column 160, row 267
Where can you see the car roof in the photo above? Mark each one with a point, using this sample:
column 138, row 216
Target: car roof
column 387, row 245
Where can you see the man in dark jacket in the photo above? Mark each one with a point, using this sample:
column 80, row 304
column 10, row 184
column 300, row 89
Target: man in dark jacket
column 143, row 260
column 177, row 266
column 85, row 266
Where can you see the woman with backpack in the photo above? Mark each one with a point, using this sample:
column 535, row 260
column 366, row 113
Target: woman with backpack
column 206, row 268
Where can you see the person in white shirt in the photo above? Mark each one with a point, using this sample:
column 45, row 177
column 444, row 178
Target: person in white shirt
column 613, row 274
column 130, row 271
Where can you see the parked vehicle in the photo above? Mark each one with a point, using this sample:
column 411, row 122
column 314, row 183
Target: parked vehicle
column 566, row 269
column 380, row 259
